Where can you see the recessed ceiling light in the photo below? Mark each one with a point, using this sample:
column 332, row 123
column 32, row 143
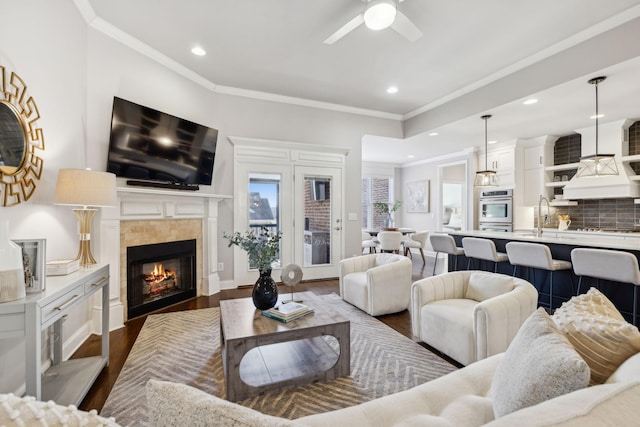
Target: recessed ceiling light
column 598, row 116
column 530, row 101
column 392, row 89
column 411, row 156
column 491, row 142
column 433, row 134
column 198, row 51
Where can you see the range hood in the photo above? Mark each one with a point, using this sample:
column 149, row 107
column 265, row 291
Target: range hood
column 613, row 138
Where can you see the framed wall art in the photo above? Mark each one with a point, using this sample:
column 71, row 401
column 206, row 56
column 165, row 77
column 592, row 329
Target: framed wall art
column 34, row 262
column 417, row 196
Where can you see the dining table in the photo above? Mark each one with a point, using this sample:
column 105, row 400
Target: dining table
column 403, row 230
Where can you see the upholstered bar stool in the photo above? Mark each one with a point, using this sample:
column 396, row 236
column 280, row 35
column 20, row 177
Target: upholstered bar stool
column 444, row 243
column 535, row 255
column 483, row 249
column 417, row 240
column 605, row 264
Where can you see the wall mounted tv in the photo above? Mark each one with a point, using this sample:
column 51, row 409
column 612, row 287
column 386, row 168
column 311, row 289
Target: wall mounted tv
column 149, row 147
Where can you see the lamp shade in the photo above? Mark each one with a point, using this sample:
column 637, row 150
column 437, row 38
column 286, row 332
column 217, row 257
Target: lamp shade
column 82, row 187
column 597, row 164
column 486, row 179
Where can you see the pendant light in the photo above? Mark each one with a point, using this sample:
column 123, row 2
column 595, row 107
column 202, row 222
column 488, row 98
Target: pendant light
column 597, row 164
column 486, row 178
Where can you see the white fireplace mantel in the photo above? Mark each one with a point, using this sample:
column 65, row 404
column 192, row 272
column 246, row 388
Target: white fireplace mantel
column 138, row 203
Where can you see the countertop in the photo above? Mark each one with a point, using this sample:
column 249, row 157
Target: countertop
column 598, row 239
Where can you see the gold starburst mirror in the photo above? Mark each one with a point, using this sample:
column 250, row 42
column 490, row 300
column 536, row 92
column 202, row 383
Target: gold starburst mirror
column 21, row 141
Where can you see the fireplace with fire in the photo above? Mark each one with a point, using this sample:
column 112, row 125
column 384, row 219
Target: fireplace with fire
column 159, row 275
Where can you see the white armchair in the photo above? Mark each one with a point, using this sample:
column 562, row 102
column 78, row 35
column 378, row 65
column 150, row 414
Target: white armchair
column 377, row 284
column 470, row 315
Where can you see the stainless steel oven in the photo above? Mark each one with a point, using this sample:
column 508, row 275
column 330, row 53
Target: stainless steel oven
column 487, row 226
column 496, row 208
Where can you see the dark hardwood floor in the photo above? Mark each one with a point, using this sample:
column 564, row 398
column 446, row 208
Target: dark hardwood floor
column 121, row 340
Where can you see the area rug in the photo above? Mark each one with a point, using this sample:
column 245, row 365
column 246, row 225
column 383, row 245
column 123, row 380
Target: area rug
column 184, row 347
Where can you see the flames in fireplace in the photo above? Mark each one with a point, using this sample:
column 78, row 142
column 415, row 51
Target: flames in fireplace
column 159, row 281
column 159, row 275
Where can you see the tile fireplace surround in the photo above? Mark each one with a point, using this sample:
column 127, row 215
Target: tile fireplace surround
column 145, row 216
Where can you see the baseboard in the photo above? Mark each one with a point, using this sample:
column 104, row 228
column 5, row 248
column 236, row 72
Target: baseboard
column 227, row 284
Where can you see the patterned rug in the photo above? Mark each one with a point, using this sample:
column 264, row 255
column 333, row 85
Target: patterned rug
column 170, row 348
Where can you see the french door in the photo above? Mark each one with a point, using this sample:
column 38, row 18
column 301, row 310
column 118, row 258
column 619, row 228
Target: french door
column 318, row 207
column 304, row 203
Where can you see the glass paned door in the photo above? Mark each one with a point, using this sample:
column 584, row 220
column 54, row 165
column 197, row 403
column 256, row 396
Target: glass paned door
column 318, row 208
column 264, row 205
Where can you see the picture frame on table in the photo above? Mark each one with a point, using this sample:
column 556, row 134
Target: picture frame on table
column 34, row 263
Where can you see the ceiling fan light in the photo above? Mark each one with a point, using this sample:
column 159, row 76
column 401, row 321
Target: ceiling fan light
column 380, row 14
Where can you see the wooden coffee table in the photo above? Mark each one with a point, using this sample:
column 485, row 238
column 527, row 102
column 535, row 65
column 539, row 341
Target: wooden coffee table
column 261, row 354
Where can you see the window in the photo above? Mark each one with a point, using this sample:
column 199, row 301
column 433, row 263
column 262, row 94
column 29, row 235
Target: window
column 375, row 190
column 264, row 196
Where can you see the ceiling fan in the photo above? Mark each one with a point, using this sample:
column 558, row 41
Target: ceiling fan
column 377, row 15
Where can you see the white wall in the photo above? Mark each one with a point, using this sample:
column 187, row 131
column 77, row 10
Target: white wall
column 429, row 171
column 44, row 43
column 115, row 70
column 73, row 72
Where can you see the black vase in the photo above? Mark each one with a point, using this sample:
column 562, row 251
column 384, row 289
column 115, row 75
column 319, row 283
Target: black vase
column 265, row 291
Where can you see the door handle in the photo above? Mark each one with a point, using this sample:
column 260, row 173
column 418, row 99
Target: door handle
column 337, row 228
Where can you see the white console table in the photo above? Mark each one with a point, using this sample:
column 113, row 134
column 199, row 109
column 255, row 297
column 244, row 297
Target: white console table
column 66, row 382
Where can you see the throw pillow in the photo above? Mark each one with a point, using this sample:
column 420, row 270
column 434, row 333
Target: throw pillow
column 27, row 411
column 483, row 285
column 539, row 364
column 171, row 404
column 598, row 332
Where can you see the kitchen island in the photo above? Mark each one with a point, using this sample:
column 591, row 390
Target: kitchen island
column 561, row 243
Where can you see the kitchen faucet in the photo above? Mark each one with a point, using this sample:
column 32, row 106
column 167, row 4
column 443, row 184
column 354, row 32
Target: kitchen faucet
column 546, row 217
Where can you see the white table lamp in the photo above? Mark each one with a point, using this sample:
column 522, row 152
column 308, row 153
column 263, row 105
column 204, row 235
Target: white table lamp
column 83, row 187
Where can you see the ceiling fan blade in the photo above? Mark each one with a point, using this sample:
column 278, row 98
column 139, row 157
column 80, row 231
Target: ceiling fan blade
column 346, row 29
column 406, row 28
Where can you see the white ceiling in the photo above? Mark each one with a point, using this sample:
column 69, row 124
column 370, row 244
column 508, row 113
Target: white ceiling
column 276, row 47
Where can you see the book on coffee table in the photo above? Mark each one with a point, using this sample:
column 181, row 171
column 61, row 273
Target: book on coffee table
column 270, row 315
column 287, row 312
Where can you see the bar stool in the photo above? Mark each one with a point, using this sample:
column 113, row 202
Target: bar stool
column 444, row 243
column 483, row 249
column 535, row 255
column 617, row 266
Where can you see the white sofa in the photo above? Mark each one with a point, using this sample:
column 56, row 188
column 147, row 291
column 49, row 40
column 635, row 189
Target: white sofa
column 459, row 399
column 470, row 315
column 377, row 283
column 541, row 380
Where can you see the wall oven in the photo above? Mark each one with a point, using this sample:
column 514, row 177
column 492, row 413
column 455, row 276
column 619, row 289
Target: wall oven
column 495, row 227
column 496, row 210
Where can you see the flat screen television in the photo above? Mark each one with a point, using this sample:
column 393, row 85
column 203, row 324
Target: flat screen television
column 150, row 147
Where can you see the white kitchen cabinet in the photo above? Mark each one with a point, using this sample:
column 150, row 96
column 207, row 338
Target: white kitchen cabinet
column 503, row 162
column 534, row 174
